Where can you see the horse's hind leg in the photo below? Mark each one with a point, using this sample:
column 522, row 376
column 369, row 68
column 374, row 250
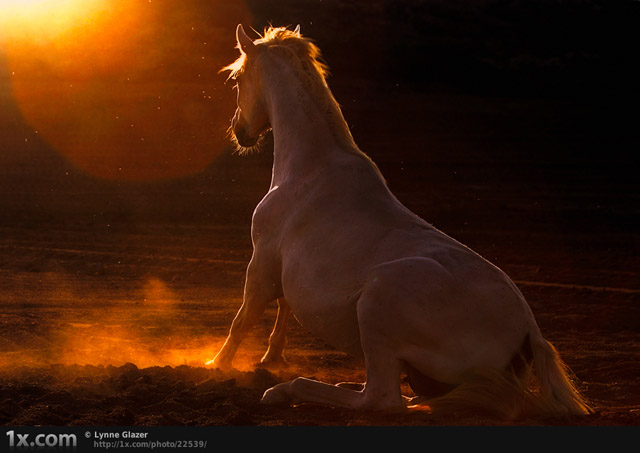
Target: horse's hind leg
column 278, row 337
column 383, row 366
column 381, row 390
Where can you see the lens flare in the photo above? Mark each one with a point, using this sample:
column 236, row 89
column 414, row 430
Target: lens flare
column 124, row 89
column 46, row 19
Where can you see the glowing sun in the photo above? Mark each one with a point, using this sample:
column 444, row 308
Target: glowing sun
column 123, row 89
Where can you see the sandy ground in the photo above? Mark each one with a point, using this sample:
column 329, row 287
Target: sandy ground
column 114, row 294
column 113, row 329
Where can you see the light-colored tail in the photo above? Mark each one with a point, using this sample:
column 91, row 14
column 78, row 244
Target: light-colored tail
column 544, row 388
column 558, row 396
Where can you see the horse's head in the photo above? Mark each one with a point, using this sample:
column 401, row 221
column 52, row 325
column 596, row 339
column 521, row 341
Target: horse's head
column 251, row 119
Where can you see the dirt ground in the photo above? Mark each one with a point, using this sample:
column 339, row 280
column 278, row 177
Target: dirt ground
column 114, row 328
column 113, row 295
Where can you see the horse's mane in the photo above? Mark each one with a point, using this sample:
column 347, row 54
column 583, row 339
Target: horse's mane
column 306, row 57
column 292, row 42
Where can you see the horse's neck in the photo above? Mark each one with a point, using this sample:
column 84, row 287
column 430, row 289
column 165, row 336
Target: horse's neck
column 304, row 138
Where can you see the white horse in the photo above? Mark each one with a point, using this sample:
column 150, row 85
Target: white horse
column 359, row 270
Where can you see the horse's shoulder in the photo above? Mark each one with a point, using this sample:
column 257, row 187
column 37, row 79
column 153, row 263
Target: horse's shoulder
column 270, row 210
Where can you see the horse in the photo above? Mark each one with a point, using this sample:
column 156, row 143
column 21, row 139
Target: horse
column 359, row 270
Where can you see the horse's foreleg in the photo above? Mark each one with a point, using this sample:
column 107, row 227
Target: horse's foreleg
column 245, row 318
column 278, row 337
column 260, row 289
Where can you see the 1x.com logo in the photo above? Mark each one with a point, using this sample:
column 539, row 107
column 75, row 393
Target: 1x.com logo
column 24, row 441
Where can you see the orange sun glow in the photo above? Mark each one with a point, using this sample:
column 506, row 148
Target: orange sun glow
column 124, row 89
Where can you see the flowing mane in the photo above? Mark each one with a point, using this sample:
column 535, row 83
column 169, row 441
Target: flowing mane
column 305, row 57
column 304, row 51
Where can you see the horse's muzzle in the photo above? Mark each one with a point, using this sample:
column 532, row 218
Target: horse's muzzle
column 240, row 133
column 243, row 138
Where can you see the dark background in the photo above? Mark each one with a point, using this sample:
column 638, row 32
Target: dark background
column 483, row 97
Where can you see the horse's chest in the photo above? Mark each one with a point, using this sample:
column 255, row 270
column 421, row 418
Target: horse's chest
column 321, row 262
column 270, row 215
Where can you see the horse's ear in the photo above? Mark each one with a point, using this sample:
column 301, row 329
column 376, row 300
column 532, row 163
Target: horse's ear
column 245, row 44
column 297, row 30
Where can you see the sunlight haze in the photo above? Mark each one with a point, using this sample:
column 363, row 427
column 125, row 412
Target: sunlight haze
column 125, row 90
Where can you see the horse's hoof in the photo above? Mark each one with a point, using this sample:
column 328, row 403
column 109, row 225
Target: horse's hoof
column 273, row 363
column 219, row 364
column 276, row 395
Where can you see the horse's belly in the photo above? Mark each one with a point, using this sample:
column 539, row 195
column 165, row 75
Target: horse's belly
column 327, row 311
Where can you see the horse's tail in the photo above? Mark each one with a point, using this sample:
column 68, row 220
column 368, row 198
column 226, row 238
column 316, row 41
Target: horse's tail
column 558, row 395
column 511, row 394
